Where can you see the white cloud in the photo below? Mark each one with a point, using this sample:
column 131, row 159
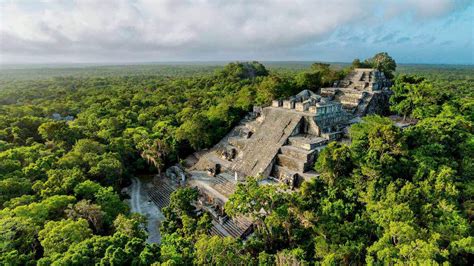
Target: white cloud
column 116, row 30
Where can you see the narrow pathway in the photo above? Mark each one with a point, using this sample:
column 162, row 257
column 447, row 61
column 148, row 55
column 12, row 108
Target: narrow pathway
column 141, row 203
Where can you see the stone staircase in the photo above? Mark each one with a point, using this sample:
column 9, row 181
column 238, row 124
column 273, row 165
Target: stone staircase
column 224, row 183
column 160, row 193
column 306, row 142
column 238, row 227
column 296, row 152
column 358, row 80
column 260, row 150
column 297, row 157
column 292, row 163
column 362, row 107
column 350, row 97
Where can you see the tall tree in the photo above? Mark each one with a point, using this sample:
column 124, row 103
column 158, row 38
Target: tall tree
column 383, row 62
column 56, row 237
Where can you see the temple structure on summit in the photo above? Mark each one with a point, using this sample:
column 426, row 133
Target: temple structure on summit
column 281, row 142
column 363, row 91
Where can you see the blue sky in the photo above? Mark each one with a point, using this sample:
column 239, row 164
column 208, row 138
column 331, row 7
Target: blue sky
column 114, row 31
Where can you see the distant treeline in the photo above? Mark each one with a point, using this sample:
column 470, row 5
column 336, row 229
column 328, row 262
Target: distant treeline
column 187, row 69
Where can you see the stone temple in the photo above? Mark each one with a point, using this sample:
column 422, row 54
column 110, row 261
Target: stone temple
column 281, row 142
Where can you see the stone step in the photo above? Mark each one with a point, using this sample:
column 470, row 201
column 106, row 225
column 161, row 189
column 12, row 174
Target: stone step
column 238, row 227
column 221, row 184
column 362, row 108
column 215, row 232
column 281, row 172
column 298, row 153
column 306, row 143
column 291, row 163
column 160, row 194
column 352, row 92
column 233, row 230
column 350, row 100
column 228, row 176
column 225, row 185
column 288, row 176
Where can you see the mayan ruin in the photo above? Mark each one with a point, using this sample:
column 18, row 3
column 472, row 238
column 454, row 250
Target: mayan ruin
column 286, row 133
column 279, row 143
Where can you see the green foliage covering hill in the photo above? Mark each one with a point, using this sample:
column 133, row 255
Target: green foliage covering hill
column 68, row 143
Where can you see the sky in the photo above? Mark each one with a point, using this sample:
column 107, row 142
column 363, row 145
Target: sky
column 132, row 31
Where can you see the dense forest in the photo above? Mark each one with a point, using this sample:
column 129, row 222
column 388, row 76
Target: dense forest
column 71, row 139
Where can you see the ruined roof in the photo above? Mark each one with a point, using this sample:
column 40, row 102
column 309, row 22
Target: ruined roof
column 306, row 94
column 325, row 102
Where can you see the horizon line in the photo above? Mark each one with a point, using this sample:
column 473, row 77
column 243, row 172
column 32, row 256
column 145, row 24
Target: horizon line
column 195, row 62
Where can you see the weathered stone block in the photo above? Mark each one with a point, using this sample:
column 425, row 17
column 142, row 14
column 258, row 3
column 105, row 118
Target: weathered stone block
column 307, row 143
column 281, row 172
column 297, row 153
column 291, row 163
column 277, row 103
column 289, row 104
column 302, row 106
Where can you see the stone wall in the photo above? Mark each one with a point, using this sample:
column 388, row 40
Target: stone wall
column 310, row 126
column 299, row 154
column 380, row 103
